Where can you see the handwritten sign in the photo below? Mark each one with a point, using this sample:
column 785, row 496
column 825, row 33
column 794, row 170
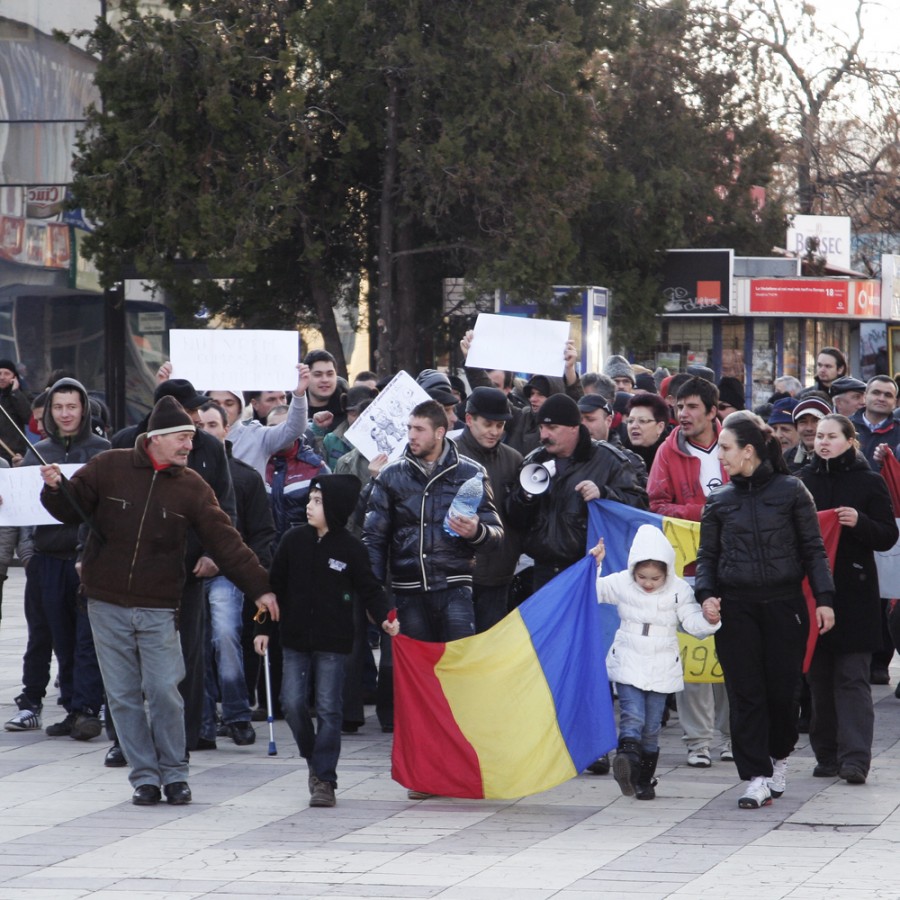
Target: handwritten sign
column 218, row 359
column 699, row 659
column 381, row 426
column 515, row 344
column 20, row 490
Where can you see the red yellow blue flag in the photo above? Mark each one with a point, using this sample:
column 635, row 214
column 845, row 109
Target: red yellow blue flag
column 516, row 710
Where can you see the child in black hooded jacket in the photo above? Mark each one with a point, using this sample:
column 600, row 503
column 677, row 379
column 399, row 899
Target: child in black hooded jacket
column 320, row 571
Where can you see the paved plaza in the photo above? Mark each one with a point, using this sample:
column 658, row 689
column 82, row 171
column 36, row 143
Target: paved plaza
column 69, row 830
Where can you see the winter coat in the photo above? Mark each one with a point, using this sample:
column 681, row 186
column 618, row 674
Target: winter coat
column 849, row 481
column 887, row 433
column 405, row 523
column 321, row 581
column 288, row 474
column 144, row 516
column 674, row 484
column 62, row 541
column 254, row 512
column 17, row 404
column 759, row 537
column 502, row 466
column 209, row 460
column 554, row 524
column 645, row 650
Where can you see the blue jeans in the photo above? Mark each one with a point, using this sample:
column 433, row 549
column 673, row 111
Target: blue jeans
column 56, row 583
column 640, row 715
column 321, row 746
column 140, row 657
column 437, row 616
column 224, row 679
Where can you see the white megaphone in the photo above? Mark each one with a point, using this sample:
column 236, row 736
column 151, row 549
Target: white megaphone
column 535, row 477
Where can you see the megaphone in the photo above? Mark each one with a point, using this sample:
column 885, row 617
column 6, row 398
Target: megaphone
column 535, row 477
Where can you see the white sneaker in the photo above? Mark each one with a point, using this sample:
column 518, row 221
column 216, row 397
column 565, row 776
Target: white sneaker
column 726, row 754
column 24, row 720
column 699, row 758
column 778, row 781
column 756, row 795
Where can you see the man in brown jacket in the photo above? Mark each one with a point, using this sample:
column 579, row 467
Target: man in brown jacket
column 141, row 503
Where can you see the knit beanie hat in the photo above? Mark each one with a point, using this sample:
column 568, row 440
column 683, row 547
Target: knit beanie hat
column 699, row 371
column 618, row 367
column 645, row 382
column 731, row 390
column 9, row 364
column 168, row 416
column 560, row 409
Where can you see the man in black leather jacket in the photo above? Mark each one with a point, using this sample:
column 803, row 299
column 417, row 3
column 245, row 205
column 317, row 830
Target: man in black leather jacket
column 555, row 522
column 431, row 570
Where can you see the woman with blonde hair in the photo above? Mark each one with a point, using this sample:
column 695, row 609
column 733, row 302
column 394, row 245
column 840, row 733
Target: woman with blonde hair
column 759, row 538
column 839, row 478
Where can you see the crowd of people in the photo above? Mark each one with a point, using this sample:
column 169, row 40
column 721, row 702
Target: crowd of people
column 229, row 526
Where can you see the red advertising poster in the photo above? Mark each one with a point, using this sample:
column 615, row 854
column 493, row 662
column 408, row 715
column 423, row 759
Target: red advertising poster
column 807, row 297
column 59, row 255
column 12, row 237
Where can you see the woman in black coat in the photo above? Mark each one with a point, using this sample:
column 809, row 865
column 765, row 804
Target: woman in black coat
column 843, row 719
column 759, row 537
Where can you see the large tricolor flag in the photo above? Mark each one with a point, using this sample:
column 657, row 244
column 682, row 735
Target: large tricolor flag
column 617, row 524
column 516, row 710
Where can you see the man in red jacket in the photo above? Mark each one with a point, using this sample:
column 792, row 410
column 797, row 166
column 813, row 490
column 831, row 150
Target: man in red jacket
column 142, row 503
column 685, row 470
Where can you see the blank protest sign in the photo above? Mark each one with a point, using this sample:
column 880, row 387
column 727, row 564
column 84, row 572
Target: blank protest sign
column 218, row 359
column 515, row 344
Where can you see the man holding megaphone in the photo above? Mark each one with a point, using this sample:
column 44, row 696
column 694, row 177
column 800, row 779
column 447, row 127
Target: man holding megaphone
column 556, row 482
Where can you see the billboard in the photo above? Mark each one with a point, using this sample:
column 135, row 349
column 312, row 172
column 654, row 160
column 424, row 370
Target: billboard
column 832, row 234
column 698, row 282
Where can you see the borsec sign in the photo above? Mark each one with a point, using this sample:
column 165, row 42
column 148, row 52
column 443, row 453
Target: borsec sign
column 831, row 232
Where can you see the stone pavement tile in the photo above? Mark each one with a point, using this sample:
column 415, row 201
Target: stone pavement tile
column 51, row 879
column 663, row 857
column 74, row 893
column 614, row 890
column 538, row 869
column 468, row 892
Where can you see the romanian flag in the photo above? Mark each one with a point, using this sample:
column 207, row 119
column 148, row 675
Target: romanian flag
column 617, row 524
column 516, row 710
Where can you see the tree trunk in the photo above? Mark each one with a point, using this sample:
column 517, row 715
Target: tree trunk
column 405, row 343
column 384, row 353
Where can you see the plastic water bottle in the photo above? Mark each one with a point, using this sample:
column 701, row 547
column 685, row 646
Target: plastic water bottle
column 466, row 501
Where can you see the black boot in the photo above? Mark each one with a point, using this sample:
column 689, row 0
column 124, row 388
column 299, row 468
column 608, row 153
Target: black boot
column 600, row 766
column 626, row 764
column 645, row 782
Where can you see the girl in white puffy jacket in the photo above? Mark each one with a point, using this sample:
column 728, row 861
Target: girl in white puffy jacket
column 644, row 660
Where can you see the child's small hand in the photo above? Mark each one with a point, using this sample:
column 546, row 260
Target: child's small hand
column 598, row 552
column 712, row 607
column 261, row 643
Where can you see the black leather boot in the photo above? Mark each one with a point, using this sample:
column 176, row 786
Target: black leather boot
column 645, row 782
column 626, row 765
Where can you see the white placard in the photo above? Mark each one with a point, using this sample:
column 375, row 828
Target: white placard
column 20, row 491
column 381, row 426
column 515, row 344
column 219, row 359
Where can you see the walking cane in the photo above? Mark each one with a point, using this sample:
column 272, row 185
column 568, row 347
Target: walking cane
column 269, row 718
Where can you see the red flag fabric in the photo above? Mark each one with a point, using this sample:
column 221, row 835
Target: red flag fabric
column 890, row 470
column 831, row 533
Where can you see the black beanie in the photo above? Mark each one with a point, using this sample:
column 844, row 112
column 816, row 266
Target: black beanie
column 168, row 416
column 560, row 409
column 340, row 494
column 9, row 364
column 731, row 390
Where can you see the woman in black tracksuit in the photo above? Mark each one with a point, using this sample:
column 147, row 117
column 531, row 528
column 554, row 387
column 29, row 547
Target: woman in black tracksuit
column 843, row 717
column 759, row 537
